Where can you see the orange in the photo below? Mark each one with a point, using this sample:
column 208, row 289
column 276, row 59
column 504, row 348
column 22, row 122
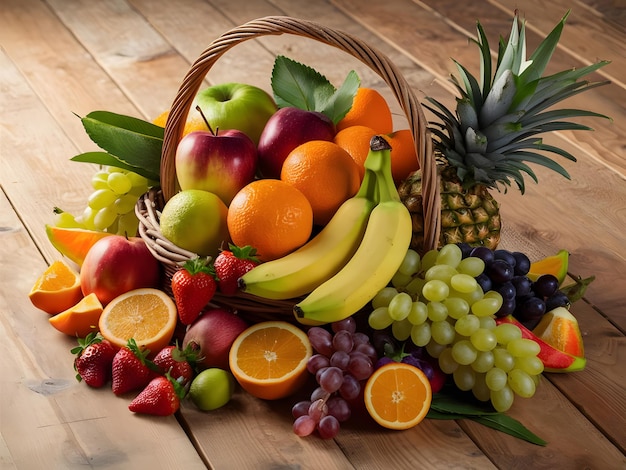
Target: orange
column 271, row 216
column 398, row 395
column 269, row 359
column 147, row 315
column 81, row 319
column 57, row 289
column 370, row 109
column 194, row 122
column 326, row 175
column 356, row 141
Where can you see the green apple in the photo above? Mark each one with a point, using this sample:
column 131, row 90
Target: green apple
column 212, row 388
column 236, row 106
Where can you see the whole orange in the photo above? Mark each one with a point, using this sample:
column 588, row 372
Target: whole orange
column 356, row 141
column 370, row 109
column 325, row 173
column 272, row 216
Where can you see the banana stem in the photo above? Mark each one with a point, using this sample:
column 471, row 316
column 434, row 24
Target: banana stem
column 369, row 187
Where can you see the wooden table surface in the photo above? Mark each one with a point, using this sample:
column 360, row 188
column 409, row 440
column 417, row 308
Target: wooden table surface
column 62, row 58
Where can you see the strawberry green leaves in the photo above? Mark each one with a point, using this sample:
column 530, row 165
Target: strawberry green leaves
column 129, row 143
column 300, row 86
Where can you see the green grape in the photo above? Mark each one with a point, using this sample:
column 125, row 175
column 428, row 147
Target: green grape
column 496, row 379
column 506, row 332
column 486, row 306
column 521, row 383
column 483, row 339
column 418, row 313
column 502, row 399
column 463, row 283
column 379, row 318
column 467, row 325
column 469, row 297
column 489, row 323
column 137, row 181
column 502, row 359
column 435, row 290
column 464, row 352
column 399, row 280
column 532, row 365
column 127, row 224
column 383, row 297
column 86, row 218
column 523, row 347
column 101, row 198
column 480, row 390
column 464, row 378
column 138, row 191
column 99, row 180
column 457, row 307
column 410, row 264
column 401, row 330
column 400, row 306
column 125, row 203
column 66, row 220
column 119, row 183
column 435, row 349
column 471, row 266
column 449, row 254
column 442, row 332
column 420, row 334
column 104, row 218
column 447, row 363
column 440, row 272
column 429, row 259
column 414, row 288
column 437, row 311
column 484, row 361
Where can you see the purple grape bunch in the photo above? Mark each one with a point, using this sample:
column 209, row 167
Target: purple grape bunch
column 343, row 359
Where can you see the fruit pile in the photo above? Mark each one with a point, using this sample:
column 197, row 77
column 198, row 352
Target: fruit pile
column 315, row 200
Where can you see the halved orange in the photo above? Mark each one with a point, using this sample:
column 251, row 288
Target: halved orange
column 398, row 395
column 147, row 315
column 269, row 359
column 57, row 289
column 81, row 319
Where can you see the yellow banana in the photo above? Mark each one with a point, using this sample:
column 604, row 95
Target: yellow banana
column 300, row 272
column 384, row 245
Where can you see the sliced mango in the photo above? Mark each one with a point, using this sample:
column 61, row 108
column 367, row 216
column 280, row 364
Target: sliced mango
column 74, row 243
column 559, row 328
column 556, row 265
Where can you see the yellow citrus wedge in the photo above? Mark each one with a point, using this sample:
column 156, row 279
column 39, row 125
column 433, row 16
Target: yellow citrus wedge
column 269, row 359
column 79, row 320
column 147, row 315
column 57, row 289
column 398, row 396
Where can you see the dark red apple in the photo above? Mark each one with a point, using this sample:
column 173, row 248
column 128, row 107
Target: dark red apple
column 213, row 334
column 115, row 265
column 284, row 131
column 220, row 163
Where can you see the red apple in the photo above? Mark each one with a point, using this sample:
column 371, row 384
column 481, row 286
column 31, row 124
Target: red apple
column 213, row 334
column 284, row 131
column 220, row 163
column 115, row 265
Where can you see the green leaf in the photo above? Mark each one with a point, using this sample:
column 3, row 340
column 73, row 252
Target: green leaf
column 506, row 424
column 130, row 141
column 300, row 86
column 104, row 158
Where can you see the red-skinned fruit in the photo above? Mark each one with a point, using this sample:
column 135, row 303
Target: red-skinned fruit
column 193, row 287
column 233, row 263
column 131, row 370
column 160, row 397
column 177, row 362
column 94, row 357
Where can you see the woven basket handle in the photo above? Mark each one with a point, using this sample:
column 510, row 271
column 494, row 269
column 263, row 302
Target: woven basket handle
column 377, row 61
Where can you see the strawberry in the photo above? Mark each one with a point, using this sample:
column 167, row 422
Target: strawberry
column 131, row 369
column 231, row 264
column 193, row 287
column 94, row 358
column 160, row 397
column 177, row 362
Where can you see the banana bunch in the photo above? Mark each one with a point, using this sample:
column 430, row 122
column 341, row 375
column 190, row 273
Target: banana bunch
column 351, row 259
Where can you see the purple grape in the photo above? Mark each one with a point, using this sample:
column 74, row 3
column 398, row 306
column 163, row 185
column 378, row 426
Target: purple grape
column 507, row 308
column 317, row 362
column 304, row 426
column 367, row 349
column 507, row 290
column 339, row 408
column 484, row 282
column 384, row 342
column 301, row 408
column 350, row 388
column 360, row 338
column 558, row 299
column 483, row 253
column 546, row 285
column 500, row 271
column 342, row 341
column 383, row 361
column 318, row 409
column 331, row 379
column 328, row 427
column 530, row 310
column 505, row 255
column 523, row 285
column 318, row 393
column 466, row 249
column 340, row 359
column 522, row 263
column 347, row 324
column 321, row 340
column 360, row 366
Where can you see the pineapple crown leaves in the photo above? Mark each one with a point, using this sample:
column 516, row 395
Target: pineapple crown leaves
column 495, row 127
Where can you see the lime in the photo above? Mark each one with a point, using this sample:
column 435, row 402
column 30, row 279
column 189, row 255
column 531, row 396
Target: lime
column 196, row 221
column 212, row 388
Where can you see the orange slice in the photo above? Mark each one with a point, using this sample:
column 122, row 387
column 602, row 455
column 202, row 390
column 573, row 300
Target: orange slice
column 57, row 289
column 81, row 319
column 398, row 395
column 74, row 242
column 147, row 315
column 269, row 359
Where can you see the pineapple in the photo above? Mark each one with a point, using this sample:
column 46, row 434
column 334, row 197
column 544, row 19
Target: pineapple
column 487, row 142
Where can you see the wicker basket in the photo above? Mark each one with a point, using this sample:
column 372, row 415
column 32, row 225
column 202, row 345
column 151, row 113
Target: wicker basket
column 149, row 207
